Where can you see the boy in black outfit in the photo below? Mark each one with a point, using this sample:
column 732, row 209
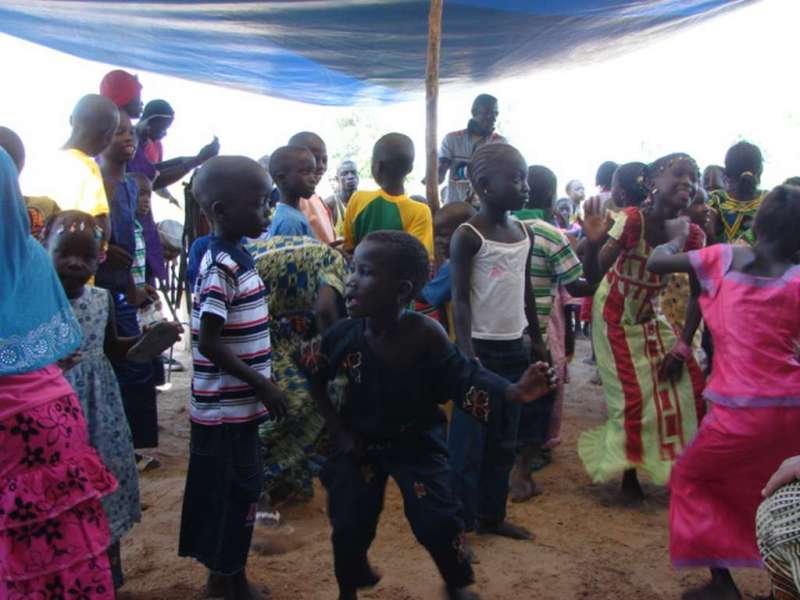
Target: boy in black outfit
column 400, row 368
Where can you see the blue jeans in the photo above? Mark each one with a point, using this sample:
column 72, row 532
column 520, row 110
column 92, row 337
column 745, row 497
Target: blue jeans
column 482, row 456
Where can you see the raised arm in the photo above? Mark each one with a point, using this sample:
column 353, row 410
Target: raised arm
column 600, row 251
column 463, row 247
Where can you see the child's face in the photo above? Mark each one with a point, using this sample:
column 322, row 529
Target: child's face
column 713, row 179
column 144, row 203
column 506, row 185
column 74, row 257
column 123, row 143
column 698, row 211
column 576, row 192
column 677, row 183
column 370, row 290
column 301, row 178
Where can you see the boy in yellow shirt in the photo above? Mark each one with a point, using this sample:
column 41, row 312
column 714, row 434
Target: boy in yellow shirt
column 389, row 207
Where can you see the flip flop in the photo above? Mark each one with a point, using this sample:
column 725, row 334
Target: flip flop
column 153, row 342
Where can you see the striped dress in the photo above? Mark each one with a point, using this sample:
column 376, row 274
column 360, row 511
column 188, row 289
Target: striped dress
column 649, row 421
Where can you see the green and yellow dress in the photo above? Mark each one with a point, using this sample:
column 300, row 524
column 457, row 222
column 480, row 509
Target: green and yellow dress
column 736, row 217
column 649, row 421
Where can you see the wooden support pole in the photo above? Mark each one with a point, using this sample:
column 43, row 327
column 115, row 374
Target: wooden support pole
column 431, row 105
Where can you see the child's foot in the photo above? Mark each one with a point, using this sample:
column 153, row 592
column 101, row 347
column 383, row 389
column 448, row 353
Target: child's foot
column 631, row 493
column 523, row 491
column 504, row 529
column 713, row 591
column 462, row 593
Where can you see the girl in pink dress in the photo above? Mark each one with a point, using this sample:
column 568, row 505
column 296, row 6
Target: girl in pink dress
column 53, row 531
column 750, row 301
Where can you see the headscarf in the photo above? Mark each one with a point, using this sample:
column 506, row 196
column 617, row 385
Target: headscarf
column 37, row 326
column 120, row 87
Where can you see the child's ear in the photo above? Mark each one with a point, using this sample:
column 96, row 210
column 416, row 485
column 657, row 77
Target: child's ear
column 218, row 209
column 405, row 292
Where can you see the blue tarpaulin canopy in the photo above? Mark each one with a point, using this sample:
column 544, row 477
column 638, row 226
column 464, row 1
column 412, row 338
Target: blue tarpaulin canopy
column 344, row 52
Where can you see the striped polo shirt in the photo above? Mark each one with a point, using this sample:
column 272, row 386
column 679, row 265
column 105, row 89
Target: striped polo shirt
column 228, row 286
column 553, row 263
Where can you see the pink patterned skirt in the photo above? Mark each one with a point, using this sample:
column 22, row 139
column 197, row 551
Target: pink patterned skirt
column 53, row 531
column 716, row 484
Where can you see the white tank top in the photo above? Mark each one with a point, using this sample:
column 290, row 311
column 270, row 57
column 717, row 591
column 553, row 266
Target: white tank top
column 497, row 291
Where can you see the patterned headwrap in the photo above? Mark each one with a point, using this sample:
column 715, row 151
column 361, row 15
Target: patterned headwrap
column 778, row 532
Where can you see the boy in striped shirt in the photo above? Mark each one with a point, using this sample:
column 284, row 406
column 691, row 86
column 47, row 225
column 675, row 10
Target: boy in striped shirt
column 231, row 388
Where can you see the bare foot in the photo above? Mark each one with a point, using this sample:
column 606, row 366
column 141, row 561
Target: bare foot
column 523, row 491
column 504, row 529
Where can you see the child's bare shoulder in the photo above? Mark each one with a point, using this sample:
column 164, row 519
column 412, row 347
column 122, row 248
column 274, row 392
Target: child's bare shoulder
column 430, row 336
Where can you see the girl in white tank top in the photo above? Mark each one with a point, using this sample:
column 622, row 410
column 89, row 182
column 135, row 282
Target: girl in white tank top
column 497, row 287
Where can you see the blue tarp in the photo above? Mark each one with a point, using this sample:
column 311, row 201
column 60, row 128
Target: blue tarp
column 344, row 52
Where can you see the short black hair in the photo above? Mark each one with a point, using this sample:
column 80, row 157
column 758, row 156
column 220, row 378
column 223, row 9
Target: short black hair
column 485, row 159
column 457, row 212
column 542, row 183
column 792, row 181
column 744, row 165
column 631, row 178
column 778, row 219
column 221, row 178
column 404, row 255
column 283, row 158
column 396, row 152
column 604, row 174
column 483, row 100
column 12, row 143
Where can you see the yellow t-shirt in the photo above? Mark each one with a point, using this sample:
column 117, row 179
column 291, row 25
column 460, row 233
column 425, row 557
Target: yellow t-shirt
column 77, row 183
column 374, row 211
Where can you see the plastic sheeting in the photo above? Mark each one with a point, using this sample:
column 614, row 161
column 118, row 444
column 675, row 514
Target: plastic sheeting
column 341, row 53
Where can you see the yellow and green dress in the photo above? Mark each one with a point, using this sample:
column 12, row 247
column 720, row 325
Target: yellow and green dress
column 293, row 270
column 736, row 217
column 649, row 421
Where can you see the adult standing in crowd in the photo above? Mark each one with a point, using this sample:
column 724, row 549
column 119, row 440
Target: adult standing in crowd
column 459, row 146
column 346, row 184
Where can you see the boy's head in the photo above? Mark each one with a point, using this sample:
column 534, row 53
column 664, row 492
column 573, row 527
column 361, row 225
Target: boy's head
column 564, row 209
column 743, row 167
column 484, row 113
column 698, row 210
column 233, row 191
column 795, row 181
column 392, row 159
column 145, row 186
column 389, row 269
column 499, row 175
column 124, row 90
column 94, row 121
column 11, row 143
column 713, row 178
column 445, row 222
column 157, row 118
column 294, row 171
column 314, row 144
column 628, row 186
column 542, row 183
column 576, row 191
column 123, row 142
column 605, row 172
column 778, row 220
column 73, row 240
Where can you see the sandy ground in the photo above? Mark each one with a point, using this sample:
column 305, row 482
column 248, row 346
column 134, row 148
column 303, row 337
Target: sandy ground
column 587, row 545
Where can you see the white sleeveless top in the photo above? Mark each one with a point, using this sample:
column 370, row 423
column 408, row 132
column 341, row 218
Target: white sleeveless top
column 497, row 290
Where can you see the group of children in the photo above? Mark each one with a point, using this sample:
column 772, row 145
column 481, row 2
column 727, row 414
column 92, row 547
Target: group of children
column 495, row 277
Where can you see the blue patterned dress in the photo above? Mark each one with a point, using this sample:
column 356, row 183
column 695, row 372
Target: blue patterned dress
column 96, row 385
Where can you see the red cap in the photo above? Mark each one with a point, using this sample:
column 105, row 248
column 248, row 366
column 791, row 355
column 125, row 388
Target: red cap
column 120, row 87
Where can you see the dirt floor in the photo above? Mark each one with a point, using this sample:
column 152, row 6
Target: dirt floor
column 586, row 546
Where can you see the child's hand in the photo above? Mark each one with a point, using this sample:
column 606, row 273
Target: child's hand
column 271, row 396
column 678, row 230
column 66, row 363
column 596, row 223
column 537, row 381
column 788, row 472
column 117, row 257
column 671, row 368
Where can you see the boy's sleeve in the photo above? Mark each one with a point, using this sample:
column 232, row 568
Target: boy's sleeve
column 349, row 218
column 446, row 150
column 217, row 290
column 566, row 266
column 421, row 227
column 473, row 389
column 437, row 292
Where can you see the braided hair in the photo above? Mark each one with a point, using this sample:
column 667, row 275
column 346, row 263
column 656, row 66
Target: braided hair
column 631, row 178
column 486, row 158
